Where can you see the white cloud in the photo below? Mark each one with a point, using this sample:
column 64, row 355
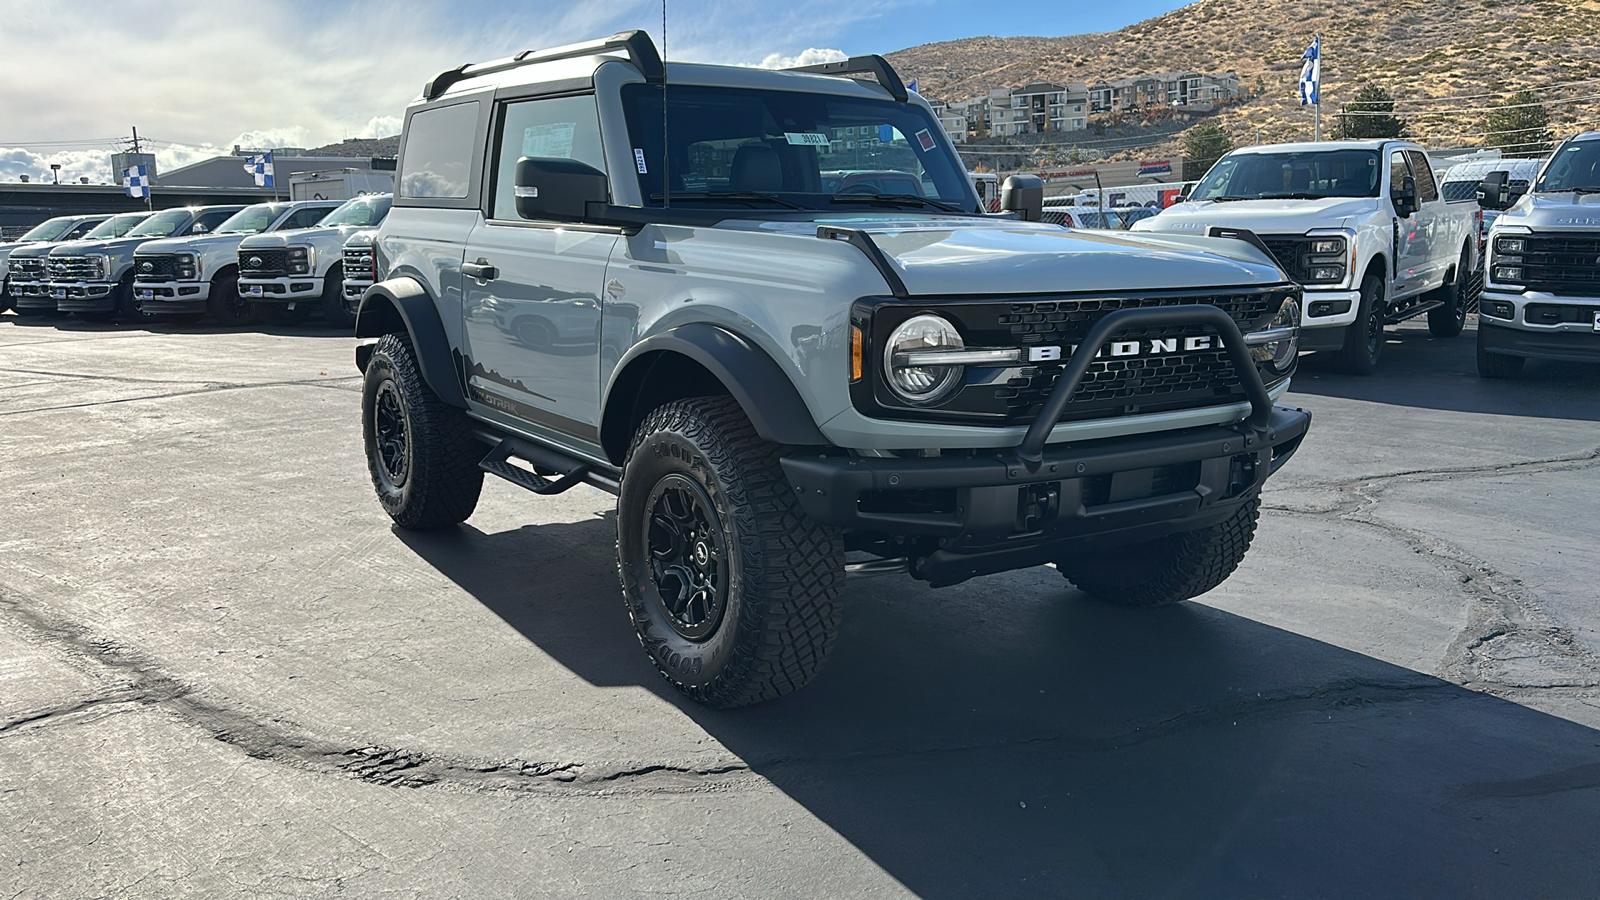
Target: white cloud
column 379, row 127
column 808, row 57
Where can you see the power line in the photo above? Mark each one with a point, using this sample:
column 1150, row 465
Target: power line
column 1472, row 109
column 1559, row 84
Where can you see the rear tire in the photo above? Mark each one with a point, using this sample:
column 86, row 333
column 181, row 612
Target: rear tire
column 732, row 590
column 280, row 315
column 1167, row 570
column 1363, row 340
column 1448, row 320
column 1497, row 365
column 420, row 451
column 225, row 304
column 333, row 308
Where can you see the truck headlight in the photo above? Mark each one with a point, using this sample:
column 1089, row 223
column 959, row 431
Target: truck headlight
column 1510, row 245
column 1331, row 246
column 915, row 381
column 188, row 267
column 102, row 267
column 300, row 260
column 1278, row 344
column 1329, row 273
column 1507, row 274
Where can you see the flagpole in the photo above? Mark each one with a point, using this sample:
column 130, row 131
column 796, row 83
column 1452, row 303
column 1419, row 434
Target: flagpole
column 1317, row 135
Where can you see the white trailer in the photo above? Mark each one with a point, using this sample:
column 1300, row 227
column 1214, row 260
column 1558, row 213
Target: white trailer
column 1157, row 196
column 339, row 184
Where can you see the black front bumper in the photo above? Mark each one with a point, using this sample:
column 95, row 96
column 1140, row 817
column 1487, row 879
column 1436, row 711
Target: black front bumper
column 990, row 511
column 1571, row 346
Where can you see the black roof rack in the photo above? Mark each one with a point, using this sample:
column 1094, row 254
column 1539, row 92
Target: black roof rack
column 863, row 65
column 637, row 44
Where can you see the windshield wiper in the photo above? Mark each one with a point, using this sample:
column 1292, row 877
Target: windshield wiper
column 1226, row 197
column 1585, row 190
column 743, row 196
column 1289, row 195
column 896, row 200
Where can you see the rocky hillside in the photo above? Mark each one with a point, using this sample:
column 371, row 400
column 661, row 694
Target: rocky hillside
column 1454, row 48
column 388, row 146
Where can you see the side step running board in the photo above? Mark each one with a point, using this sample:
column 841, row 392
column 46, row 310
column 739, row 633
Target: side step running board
column 568, row 470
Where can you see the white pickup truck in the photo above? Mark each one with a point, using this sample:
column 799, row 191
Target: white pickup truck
column 286, row 276
column 1361, row 224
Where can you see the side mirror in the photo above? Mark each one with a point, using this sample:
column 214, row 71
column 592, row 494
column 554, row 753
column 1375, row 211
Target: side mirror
column 559, row 189
column 1183, row 195
column 1405, row 198
column 199, row 228
column 1492, row 193
column 1023, row 195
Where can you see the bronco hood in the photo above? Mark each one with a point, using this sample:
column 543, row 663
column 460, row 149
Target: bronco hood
column 1554, row 211
column 1260, row 216
column 944, row 256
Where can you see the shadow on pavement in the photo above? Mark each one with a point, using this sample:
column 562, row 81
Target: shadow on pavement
column 1009, row 738
column 1418, row 369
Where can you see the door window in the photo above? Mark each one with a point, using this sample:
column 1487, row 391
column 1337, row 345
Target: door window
column 82, row 229
column 1427, row 191
column 210, row 219
column 305, row 218
column 559, row 128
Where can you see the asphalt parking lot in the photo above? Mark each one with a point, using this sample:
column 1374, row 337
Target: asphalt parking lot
column 223, row 673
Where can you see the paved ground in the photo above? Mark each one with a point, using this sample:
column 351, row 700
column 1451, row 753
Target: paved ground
column 223, row 674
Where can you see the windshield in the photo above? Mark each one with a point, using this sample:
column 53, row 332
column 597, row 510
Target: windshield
column 48, row 230
column 786, row 149
column 1575, row 167
column 251, row 219
column 163, row 224
column 1265, row 176
column 116, row 226
column 364, row 211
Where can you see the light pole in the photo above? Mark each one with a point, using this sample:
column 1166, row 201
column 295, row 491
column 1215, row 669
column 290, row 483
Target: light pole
column 55, row 172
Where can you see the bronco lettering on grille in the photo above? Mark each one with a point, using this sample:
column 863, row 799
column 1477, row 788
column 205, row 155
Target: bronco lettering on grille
column 1125, row 349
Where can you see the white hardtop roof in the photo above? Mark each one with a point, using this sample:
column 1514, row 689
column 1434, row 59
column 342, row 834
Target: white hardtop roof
column 1475, row 169
column 1323, row 146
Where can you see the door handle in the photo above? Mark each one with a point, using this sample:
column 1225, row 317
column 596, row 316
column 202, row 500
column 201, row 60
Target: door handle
column 480, row 271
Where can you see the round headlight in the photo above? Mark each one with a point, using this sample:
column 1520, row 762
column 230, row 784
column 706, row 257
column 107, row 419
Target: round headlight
column 1281, row 352
column 921, row 383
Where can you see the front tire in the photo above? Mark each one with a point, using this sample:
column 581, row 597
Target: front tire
column 1167, row 570
column 1496, row 365
column 225, row 304
column 732, row 589
column 333, row 308
column 420, row 450
column 1448, row 320
column 1363, row 340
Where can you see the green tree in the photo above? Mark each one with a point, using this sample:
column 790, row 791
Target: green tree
column 1076, row 156
column 1203, row 145
column 1369, row 115
column 1518, row 127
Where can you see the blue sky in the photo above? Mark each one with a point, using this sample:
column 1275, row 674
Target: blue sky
column 201, row 75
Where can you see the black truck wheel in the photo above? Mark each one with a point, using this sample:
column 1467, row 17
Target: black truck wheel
column 420, row 450
column 1166, row 570
column 1363, row 340
column 333, row 308
column 225, row 304
column 732, row 589
column 1449, row 319
column 1496, row 365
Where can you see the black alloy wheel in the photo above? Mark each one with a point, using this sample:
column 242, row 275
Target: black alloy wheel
column 391, row 436
column 688, row 558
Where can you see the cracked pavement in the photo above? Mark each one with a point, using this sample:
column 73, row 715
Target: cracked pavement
column 223, row 674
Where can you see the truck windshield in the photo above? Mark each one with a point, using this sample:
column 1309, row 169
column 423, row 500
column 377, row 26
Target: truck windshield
column 116, row 226
column 251, row 219
column 363, row 211
column 740, row 148
column 163, row 224
column 48, row 230
column 1308, row 175
column 1575, row 167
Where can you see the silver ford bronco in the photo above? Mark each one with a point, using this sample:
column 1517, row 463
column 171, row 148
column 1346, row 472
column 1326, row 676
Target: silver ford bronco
column 605, row 270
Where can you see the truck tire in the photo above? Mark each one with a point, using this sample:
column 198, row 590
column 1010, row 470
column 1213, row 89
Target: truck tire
column 420, row 450
column 128, row 308
column 281, row 315
column 1166, row 570
column 5, row 294
column 1449, row 319
column 731, row 588
column 225, row 304
column 333, row 308
column 1363, row 340
column 1497, row 365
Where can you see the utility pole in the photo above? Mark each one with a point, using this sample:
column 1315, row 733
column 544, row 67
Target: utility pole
column 136, row 139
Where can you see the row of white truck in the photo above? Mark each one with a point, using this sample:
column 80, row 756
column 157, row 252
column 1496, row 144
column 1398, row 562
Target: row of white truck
column 276, row 262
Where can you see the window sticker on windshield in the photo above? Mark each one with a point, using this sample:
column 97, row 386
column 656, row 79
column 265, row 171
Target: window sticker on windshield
column 638, row 159
column 806, row 138
column 925, row 139
column 550, row 140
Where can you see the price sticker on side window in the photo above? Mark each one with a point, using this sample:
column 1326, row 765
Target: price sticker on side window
column 806, row 138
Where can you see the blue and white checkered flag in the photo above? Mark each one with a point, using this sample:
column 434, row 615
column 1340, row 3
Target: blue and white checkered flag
column 137, row 181
column 912, row 87
column 1311, row 73
column 260, row 168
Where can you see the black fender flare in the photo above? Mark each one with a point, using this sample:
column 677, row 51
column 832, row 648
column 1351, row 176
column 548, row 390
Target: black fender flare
column 403, row 304
column 767, row 395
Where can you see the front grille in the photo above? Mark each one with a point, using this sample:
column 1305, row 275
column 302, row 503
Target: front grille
column 27, row 269
column 1290, row 252
column 1557, row 313
column 1560, row 263
column 263, row 263
column 1200, row 377
column 358, row 265
column 74, row 268
column 155, row 268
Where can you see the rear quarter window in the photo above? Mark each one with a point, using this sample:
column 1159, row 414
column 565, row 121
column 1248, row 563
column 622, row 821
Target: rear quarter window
column 436, row 161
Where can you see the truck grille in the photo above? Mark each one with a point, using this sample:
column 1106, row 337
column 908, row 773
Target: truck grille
column 1290, row 252
column 263, row 263
column 27, row 269
column 1149, row 381
column 155, row 268
column 358, row 265
column 1562, row 263
column 74, row 268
